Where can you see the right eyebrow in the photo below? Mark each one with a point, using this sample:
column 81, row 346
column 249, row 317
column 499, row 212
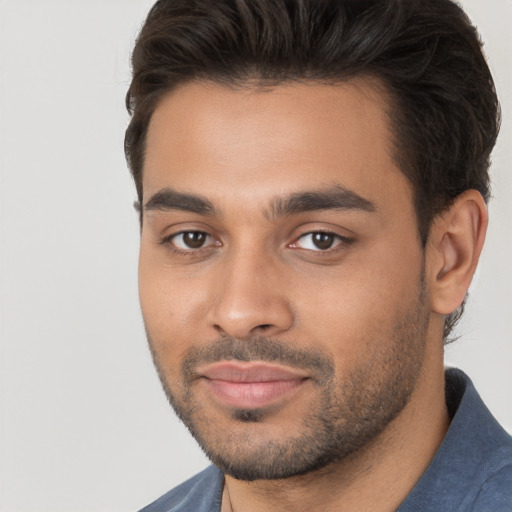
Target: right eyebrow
column 168, row 199
column 330, row 198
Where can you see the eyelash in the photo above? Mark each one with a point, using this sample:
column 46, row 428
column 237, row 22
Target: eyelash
column 168, row 242
column 340, row 242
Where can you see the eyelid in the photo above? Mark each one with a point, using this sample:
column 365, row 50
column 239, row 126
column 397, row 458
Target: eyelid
column 167, row 240
column 342, row 241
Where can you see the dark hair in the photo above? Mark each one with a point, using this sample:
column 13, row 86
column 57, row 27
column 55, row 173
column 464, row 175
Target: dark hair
column 444, row 111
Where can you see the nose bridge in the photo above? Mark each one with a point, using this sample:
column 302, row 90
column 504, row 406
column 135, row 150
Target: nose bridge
column 250, row 297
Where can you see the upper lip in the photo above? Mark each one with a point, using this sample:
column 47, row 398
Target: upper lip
column 236, row 371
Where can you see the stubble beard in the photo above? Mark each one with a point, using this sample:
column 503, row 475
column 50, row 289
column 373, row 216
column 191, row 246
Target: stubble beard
column 347, row 415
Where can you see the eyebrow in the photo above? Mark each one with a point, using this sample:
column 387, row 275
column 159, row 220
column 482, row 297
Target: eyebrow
column 168, row 199
column 334, row 197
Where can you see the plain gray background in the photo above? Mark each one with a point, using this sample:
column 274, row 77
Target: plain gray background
column 84, row 425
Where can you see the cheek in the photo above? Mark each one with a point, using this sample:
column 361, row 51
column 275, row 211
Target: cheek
column 360, row 303
column 154, row 293
column 171, row 306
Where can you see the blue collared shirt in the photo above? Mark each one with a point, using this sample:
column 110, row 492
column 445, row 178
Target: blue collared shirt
column 471, row 471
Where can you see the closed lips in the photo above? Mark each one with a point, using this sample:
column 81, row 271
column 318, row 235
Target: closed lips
column 250, row 385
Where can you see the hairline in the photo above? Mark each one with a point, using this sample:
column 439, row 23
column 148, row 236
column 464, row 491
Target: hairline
column 259, row 84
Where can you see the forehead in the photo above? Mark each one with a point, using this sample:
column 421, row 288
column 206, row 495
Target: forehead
column 252, row 142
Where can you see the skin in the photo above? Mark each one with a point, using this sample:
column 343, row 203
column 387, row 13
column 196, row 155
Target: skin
column 372, row 304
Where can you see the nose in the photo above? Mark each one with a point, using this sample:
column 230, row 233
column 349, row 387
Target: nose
column 251, row 298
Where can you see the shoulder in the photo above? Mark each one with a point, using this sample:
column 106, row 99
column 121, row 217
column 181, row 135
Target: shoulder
column 481, row 450
column 201, row 493
column 472, row 469
column 496, row 492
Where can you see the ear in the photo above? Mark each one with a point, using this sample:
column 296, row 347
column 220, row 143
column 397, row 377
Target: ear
column 455, row 242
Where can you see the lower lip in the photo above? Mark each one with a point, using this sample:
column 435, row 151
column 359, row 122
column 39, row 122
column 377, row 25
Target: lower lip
column 251, row 395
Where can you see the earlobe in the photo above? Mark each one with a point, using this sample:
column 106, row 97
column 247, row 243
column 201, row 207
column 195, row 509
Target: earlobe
column 455, row 243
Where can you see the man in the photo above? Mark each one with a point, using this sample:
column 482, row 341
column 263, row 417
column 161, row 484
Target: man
column 312, row 180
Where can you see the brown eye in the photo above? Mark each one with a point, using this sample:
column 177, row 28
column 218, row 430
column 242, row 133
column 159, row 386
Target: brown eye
column 191, row 240
column 323, row 241
column 319, row 241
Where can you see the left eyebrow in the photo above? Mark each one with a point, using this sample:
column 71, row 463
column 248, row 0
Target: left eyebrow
column 168, row 199
column 334, row 197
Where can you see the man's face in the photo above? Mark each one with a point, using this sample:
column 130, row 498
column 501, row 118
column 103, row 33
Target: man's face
column 281, row 274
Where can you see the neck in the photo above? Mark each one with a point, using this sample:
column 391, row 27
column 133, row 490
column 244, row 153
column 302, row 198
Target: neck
column 378, row 477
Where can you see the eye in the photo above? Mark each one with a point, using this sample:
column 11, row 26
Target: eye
column 318, row 241
column 187, row 240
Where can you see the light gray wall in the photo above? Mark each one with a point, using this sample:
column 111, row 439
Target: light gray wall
column 83, row 423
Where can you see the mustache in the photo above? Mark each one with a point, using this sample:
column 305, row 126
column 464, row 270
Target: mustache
column 268, row 350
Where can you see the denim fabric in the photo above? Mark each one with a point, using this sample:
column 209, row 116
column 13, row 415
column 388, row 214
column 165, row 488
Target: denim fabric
column 471, row 471
column 202, row 493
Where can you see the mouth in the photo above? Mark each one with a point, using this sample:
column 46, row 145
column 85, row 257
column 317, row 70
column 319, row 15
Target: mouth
column 251, row 385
